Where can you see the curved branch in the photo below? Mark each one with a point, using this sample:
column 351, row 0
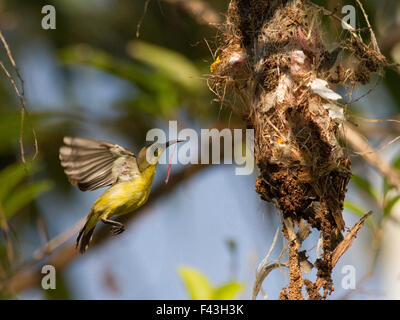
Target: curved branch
column 31, row 276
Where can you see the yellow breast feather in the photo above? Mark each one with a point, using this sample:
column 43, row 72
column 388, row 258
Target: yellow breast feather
column 125, row 197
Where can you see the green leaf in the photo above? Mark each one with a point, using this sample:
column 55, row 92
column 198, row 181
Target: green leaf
column 11, row 176
column 173, row 64
column 228, row 291
column 355, row 208
column 396, row 165
column 365, row 185
column 85, row 54
column 200, row 289
column 361, row 212
column 386, row 187
column 24, row 195
column 389, row 206
column 157, row 95
column 9, row 129
column 196, row 284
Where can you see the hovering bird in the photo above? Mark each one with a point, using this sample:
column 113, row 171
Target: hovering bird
column 91, row 164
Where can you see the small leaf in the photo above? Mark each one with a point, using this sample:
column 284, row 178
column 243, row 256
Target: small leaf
column 361, row 212
column 24, row 195
column 85, row 54
column 228, row 291
column 395, row 165
column 389, row 206
column 386, row 187
column 10, row 177
column 9, row 129
column 157, row 94
column 366, row 186
column 196, row 284
column 173, row 64
column 396, row 162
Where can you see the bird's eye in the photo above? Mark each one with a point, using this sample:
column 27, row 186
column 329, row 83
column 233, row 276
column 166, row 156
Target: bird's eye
column 156, row 153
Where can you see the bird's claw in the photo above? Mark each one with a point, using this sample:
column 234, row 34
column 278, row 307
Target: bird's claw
column 117, row 230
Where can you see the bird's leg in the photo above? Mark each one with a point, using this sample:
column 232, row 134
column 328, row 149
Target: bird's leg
column 117, row 227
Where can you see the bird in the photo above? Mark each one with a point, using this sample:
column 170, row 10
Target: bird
column 93, row 164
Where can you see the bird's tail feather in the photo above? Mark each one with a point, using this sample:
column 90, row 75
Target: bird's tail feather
column 85, row 236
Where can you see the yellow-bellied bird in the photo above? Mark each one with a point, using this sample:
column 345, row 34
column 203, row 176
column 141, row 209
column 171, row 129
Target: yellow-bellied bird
column 92, row 164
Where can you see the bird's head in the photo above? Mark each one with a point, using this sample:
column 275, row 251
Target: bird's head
column 149, row 155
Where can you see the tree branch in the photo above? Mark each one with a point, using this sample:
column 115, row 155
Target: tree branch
column 360, row 144
column 344, row 245
column 29, row 276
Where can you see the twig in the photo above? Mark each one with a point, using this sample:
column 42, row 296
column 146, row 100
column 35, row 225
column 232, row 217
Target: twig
column 29, row 276
column 378, row 80
column 373, row 38
column 265, row 260
column 58, row 241
column 21, row 96
column 359, row 143
column 344, row 245
column 264, row 272
column 139, row 25
column 264, row 269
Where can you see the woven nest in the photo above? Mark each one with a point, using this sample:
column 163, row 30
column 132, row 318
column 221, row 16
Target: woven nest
column 275, row 72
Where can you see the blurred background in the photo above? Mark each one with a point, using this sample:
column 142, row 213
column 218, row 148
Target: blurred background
column 205, row 232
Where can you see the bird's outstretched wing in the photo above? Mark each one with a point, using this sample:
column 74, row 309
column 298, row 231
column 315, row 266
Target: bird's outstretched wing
column 91, row 164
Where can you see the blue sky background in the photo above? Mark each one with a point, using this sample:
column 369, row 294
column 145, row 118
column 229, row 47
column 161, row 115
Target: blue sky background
column 192, row 225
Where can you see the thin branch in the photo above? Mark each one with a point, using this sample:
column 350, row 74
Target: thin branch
column 264, row 272
column 373, row 38
column 344, row 245
column 360, row 144
column 264, row 269
column 28, row 276
column 21, row 96
column 58, row 241
column 139, row 25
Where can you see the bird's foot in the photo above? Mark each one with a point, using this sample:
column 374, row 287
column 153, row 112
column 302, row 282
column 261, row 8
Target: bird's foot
column 117, row 227
column 115, row 230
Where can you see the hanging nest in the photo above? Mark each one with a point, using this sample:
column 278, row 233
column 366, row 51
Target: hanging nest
column 275, row 72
